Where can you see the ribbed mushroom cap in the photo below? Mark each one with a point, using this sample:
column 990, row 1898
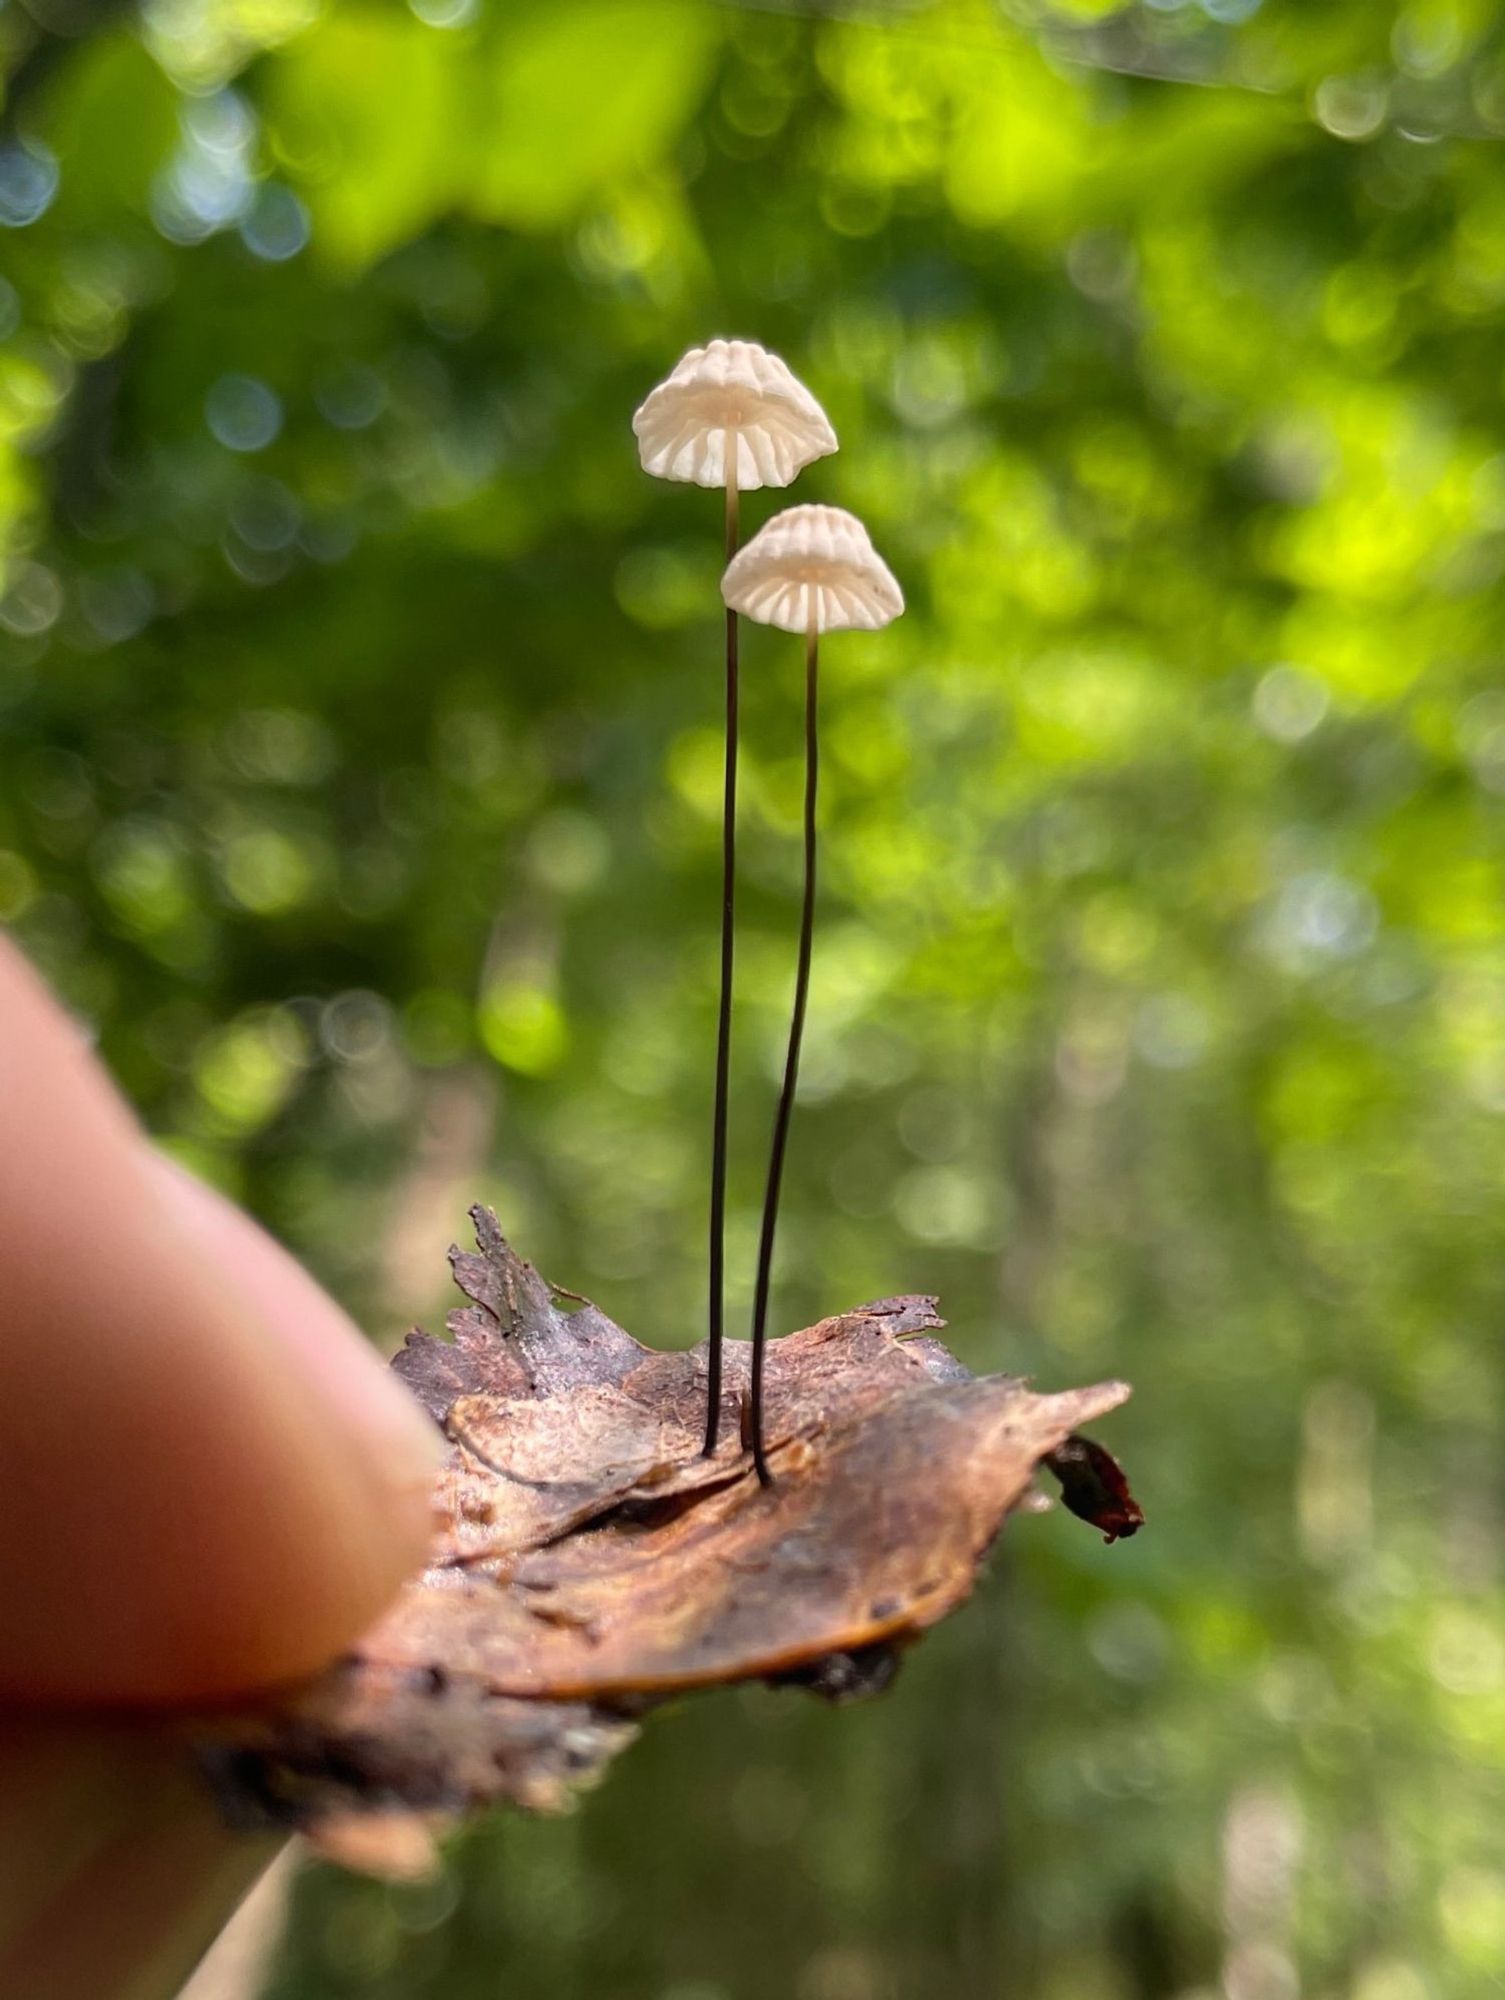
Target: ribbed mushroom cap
column 813, row 565
column 731, row 396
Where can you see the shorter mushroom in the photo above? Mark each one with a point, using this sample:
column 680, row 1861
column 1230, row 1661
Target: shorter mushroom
column 731, row 414
column 810, row 570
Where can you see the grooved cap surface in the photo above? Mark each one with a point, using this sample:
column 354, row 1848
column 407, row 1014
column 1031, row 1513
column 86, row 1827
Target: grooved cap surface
column 813, row 568
column 731, row 396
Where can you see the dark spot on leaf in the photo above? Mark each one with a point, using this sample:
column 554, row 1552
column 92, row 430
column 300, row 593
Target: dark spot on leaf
column 857, row 1675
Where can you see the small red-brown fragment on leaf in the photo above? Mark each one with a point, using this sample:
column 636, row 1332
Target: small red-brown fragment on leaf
column 590, row 1562
column 1095, row 1489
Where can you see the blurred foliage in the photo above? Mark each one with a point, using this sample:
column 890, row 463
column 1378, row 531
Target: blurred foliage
column 359, row 727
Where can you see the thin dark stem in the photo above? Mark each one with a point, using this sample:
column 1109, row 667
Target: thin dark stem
column 724, row 1015
column 791, row 1063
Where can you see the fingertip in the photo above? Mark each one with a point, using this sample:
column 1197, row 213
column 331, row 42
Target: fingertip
column 212, row 1482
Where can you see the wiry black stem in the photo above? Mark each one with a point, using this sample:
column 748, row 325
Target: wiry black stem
column 791, row 1064
column 724, row 1016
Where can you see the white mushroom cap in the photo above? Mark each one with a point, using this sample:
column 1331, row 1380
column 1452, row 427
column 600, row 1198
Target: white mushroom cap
column 731, row 396
column 813, row 568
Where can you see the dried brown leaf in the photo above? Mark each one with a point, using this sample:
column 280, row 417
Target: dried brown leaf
column 589, row 1561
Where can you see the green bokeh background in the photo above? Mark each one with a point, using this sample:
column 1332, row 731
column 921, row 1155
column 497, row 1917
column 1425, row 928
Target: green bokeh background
column 359, row 741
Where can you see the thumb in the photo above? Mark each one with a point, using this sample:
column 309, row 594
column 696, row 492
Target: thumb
column 211, row 1484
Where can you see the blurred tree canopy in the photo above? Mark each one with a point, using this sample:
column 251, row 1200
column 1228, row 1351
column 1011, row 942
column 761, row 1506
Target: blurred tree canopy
column 359, row 746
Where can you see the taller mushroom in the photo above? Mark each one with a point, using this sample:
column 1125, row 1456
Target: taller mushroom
column 732, row 415
column 810, row 570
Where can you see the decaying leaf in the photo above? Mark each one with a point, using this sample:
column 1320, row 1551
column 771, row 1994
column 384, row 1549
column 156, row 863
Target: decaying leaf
column 1094, row 1487
column 590, row 1562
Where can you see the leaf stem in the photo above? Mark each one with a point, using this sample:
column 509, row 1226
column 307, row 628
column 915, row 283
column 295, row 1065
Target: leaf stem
column 791, row 1059
column 717, row 1258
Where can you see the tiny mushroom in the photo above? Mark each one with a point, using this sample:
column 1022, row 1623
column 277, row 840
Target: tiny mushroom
column 810, row 570
column 732, row 415
column 813, row 570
